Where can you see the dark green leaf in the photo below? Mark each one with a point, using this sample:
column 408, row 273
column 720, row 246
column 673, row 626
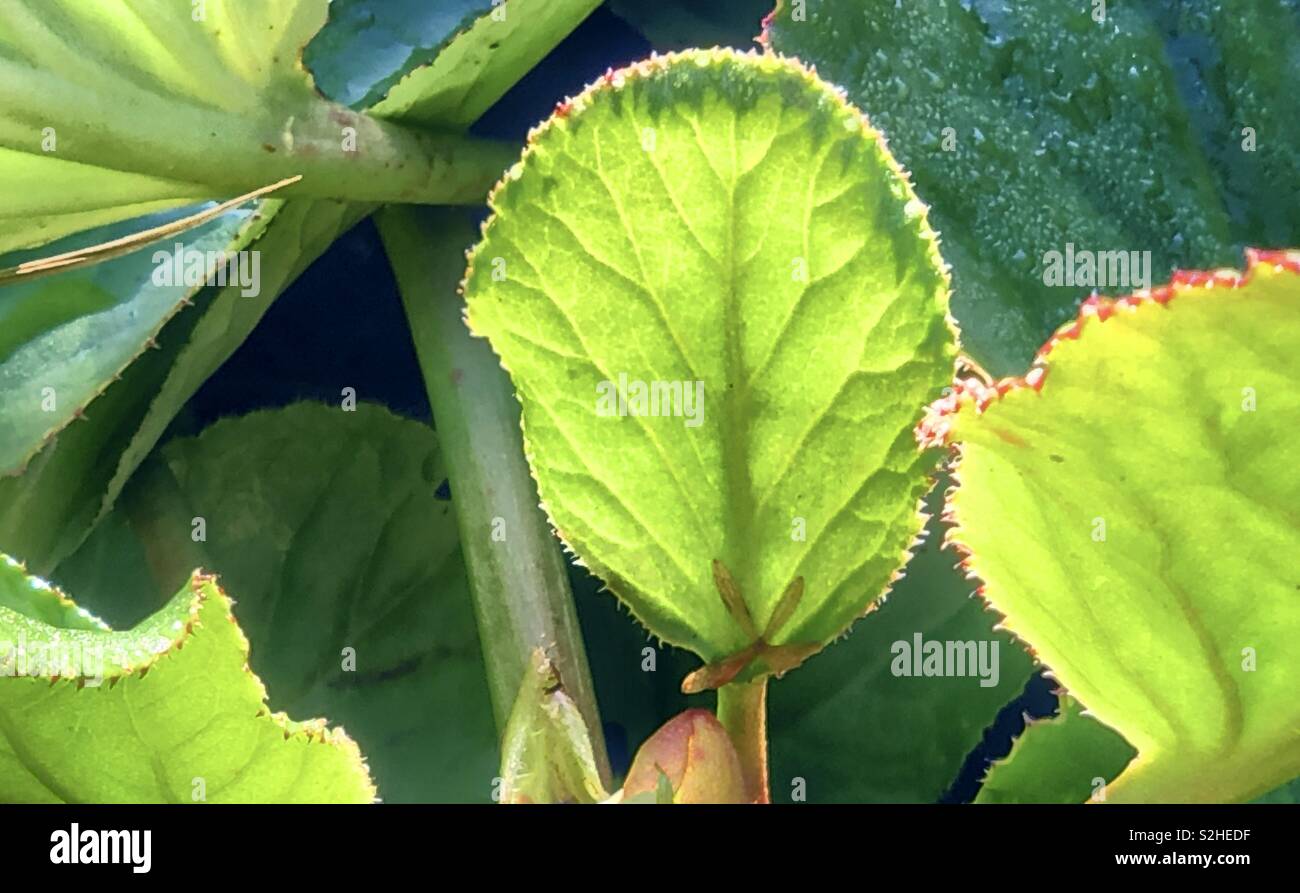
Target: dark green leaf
column 853, row 731
column 1031, row 126
column 352, row 588
column 1069, row 758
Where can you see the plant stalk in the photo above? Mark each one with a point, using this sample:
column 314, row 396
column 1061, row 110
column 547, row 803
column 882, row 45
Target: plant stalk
column 742, row 710
column 517, row 572
column 192, row 151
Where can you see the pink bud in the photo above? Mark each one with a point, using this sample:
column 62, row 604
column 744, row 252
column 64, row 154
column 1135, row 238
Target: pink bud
column 695, row 752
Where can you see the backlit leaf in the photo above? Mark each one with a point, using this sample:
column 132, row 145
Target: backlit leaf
column 724, row 229
column 1130, row 507
column 165, row 712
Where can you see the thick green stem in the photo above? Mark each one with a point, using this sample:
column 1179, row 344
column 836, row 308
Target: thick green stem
column 742, row 710
column 195, row 151
column 516, row 570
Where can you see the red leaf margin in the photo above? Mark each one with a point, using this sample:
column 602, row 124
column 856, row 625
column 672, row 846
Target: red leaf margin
column 935, row 428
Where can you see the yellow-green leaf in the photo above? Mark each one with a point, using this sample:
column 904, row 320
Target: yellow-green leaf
column 1130, row 505
column 723, row 309
column 166, row 712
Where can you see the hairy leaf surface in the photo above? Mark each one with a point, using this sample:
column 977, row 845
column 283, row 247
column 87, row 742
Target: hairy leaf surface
column 722, row 228
column 64, row 338
column 546, row 752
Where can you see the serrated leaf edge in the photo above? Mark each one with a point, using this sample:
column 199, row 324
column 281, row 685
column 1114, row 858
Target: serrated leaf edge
column 204, row 586
column 935, row 429
column 50, row 591
column 248, row 233
column 1065, row 700
column 612, row 81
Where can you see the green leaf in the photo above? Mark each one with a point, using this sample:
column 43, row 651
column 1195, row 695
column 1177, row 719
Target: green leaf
column 64, row 338
column 47, row 512
column 327, row 524
column 1065, row 759
column 682, row 24
column 441, row 64
column 1129, row 505
column 855, row 732
column 724, row 225
column 546, row 752
column 368, row 46
column 1068, row 758
column 1030, row 126
column 165, row 712
column 228, row 106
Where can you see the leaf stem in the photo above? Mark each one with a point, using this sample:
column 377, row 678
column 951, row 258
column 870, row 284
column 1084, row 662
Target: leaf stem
column 742, row 710
column 191, row 151
column 517, row 572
